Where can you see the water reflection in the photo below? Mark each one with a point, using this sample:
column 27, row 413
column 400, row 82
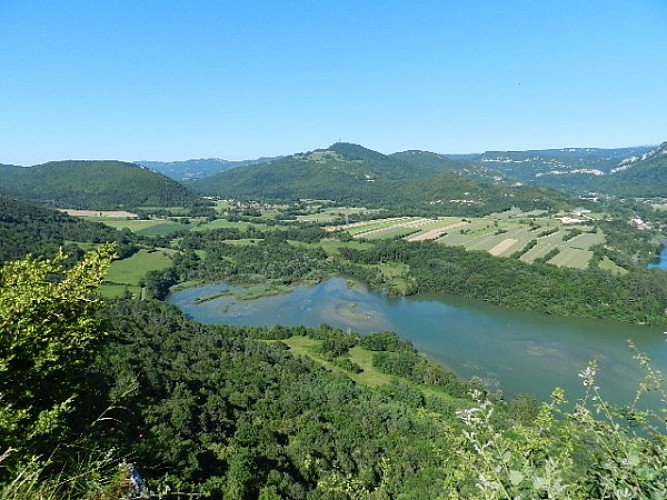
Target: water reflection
column 524, row 353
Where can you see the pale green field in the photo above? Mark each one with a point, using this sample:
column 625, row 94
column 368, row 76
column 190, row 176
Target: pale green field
column 586, row 240
column 610, row 265
column 164, row 229
column 485, row 234
column 331, row 247
column 116, row 291
column 377, row 224
column 131, row 224
column 330, row 214
column 221, row 205
column 572, row 257
column 129, row 271
column 370, row 377
column 225, row 224
column 391, row 233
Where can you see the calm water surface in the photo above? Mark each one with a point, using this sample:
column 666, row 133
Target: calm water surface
column 662, row 262
column 522, row 353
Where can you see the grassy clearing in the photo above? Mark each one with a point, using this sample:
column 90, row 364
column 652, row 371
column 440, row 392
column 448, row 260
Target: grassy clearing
column 391, row 233
column 225, row 224
column 331, row 214
column 305, row 346
column 249, row 292
column 396, row 274
column 117, row 291
column 358, row 230
column 165, row 228
column 133, row 225
column 221, row 205
column 572, row 257
column 130, row 271
column 370, row 376
column 586, row 240
column 332, row 247
column 609, row 265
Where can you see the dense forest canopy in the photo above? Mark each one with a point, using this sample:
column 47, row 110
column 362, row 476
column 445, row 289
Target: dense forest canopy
column 348, row 173
column 95, row 392
column 93, row 185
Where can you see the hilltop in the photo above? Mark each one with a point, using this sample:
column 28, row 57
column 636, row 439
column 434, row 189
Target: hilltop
column 95, row 184
column 350, row 173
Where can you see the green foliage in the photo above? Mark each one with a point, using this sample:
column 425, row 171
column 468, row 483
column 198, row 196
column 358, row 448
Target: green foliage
column 48, row 336
column 592, row 451
column 94, row 185
column 639, row 296
column 351, row 174
column 27, row 228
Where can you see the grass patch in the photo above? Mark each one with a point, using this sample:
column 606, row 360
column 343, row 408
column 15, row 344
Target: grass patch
column 130, row 271
column 609, row 265
column 165, row 228
column 226, row 224
column 133, row 225
column 369, row 376
column 572, row 257
column 116, row 291
column 305, row 346
column 250, row 292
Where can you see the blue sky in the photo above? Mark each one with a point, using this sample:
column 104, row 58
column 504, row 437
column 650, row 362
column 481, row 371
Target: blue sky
column 171, row 80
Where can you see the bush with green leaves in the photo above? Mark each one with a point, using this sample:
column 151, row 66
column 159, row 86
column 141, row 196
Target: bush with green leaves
column 594, row 450
column 48, row 336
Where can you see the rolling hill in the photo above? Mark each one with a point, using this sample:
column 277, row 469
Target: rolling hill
column 349, row 173
column 95, row 185
column 29, row 228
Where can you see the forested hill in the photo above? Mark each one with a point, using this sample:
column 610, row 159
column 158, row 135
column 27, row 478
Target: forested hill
column 95, row 185
column 26, row 228
column 350, row 173
column 643, row 177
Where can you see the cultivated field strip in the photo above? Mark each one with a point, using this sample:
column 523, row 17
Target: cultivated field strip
column 411, row 224
column 572, row 257
column 585, row 241
column 503, row 246
column 499, row 237
column 370, row 224
column 434, row 234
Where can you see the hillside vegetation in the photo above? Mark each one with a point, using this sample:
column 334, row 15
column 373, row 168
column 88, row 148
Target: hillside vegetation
column 135, row 390
column 352, row 174
column 94, row 185
column 624, row 172
column 28, row 228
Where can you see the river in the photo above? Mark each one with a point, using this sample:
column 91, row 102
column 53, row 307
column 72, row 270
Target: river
column 662, row 261
column 520, row 352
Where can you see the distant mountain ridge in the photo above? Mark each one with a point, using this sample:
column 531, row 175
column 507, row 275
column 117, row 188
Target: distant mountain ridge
column 93, row 184
column 197, row 168
column 574, row 170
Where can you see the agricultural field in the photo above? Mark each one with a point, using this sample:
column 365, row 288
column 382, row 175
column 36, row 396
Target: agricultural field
column 526, row 236
column 130, row 271
column 330, row 214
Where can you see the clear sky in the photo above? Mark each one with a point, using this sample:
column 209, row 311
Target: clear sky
column 172, row 80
